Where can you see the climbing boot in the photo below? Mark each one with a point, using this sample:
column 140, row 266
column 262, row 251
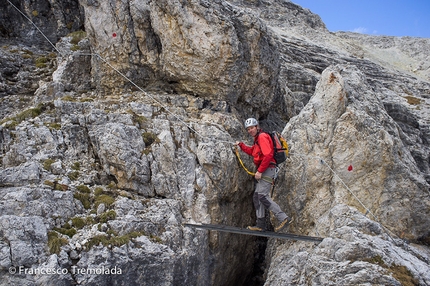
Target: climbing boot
column 260, row 226
column 283, row 224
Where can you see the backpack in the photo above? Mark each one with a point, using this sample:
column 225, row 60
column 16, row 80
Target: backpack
column 280, row 147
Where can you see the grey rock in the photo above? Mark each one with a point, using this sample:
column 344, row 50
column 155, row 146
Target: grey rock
column 64, row 276
column 345, row 125
column 59, row 19
column 156, row 152
column 26, row 173
column 214, row 52
column 6, row 261
column 26, row 236
column 120, row 148
column 101, row 209
column 349, row 256
column 42, row 203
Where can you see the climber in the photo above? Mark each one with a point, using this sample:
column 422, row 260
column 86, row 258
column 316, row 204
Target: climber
column 262, row 150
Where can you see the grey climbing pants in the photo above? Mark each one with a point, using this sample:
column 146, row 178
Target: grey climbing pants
column 262, row 198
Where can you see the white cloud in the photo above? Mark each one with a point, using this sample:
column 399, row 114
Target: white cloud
column 360, row 30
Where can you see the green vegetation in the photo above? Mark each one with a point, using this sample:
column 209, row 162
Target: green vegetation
column 55, row 242
column 26, row 114
column 47, row 164
column 403, row 275
column 28, row 52
column 74, row 48
column 91, row 200
column 29, row 113
column 155, row 238
column 99, row 196
column 53, row 126
column 69, row 25
column 98, row 191
column 86, row 100
column 376, row 260
column 138, row 119
column 77, row 36
column 90, row 220
column 68, row 98
column 73, row 175
column 79, row 222
column 150, row 138
column 104, row 199
column 56, row 186
column 107, row 216
column 66, row 230
column 84, row 198
column 49, row 183
column 83, row 189
column 112, row 185
column 413, row 100
column 400, row 273
column 76, row 166
column 41, row 62
column 113, row 240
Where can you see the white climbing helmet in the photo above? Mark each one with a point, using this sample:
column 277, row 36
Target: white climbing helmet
column 251, row 122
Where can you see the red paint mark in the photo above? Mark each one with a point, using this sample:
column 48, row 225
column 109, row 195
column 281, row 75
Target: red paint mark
column 114, row 35
column 350, row 168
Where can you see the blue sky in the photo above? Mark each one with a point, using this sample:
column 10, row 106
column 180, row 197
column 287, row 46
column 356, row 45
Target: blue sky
column 373, row 17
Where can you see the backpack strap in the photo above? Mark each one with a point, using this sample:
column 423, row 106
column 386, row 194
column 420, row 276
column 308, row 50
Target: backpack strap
column 273, row 145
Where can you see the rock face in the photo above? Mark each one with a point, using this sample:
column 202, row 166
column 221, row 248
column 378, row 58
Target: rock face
column 354, row 147
column 212, row 50
column 347, row 160
column 55, row 18
column 123, row 133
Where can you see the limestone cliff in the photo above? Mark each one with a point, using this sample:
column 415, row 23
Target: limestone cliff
column 123, row 132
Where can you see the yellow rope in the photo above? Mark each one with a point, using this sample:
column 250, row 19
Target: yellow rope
column 241, row 162
column 264, row 178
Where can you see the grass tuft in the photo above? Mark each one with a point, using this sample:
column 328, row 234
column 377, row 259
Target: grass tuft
column 55, row 242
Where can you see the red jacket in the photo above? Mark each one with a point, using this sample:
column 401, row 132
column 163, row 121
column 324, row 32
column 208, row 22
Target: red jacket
column 262, row 151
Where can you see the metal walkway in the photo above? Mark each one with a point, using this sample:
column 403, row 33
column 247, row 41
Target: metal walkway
column 238, row 230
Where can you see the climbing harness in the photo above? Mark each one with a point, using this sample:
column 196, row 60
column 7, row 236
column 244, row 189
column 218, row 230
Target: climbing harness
column 272, row 190
column 264, row 178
